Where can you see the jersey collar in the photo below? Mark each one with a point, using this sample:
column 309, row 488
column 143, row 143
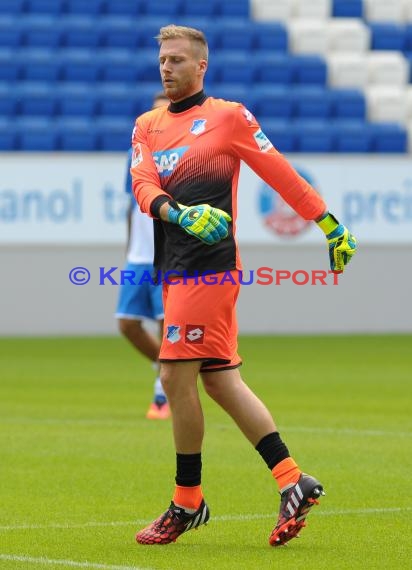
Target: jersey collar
column 185, row 104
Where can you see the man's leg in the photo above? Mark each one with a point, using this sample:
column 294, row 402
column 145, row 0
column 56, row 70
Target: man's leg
column 188, row 509
column 143, row 341
column 179, row 381
column 298, row 491
column 148, row 345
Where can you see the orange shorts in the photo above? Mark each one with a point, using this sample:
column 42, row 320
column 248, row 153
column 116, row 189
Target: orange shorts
column 200, row 322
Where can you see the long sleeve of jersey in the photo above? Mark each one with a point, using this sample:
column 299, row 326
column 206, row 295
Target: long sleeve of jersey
column 145, row 178
column 254, row 148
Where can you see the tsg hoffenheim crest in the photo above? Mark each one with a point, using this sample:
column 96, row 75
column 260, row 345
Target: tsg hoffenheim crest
column 198, row 126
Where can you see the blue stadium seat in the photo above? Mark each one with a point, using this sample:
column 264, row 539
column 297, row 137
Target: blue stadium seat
column 76, row 100
column 42, row 33
column 144, row 95
column 76, row 134
column 36, row 134
column 272, row 102
column 119, row 102
column 387, row 36
column 352, row 136
column 347, row 8
column 128, row 8
column 388, row 138
column 114, row 134
column 165, row 8
column 40, row 68
column 12, row 7
column 234, row 8
column 10, row 67
column 348, row 104
column 309, row 70
column 120, row 66
column 191, row 8
column 8, row 101
column 89, row 7
column 311, row 102
column 277, row 69
column 119, row 32
column 11, row 34
column 80, row 65
column 36, row 100
column 235, row 36
column 280, row 134
column 233, row 67
column 52, row 7
column 8, row 137
column 408, row 38
column 314, row 136
column 271, row 36
column 80, row 32
column 148, row 65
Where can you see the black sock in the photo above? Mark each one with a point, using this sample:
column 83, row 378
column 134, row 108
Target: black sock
column 272, row 449
column 188, row 469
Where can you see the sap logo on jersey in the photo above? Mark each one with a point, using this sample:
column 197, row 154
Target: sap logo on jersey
column 167, row 160
column 262, row 141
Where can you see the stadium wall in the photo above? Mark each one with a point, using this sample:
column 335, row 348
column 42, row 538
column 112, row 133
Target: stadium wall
column 61, row 211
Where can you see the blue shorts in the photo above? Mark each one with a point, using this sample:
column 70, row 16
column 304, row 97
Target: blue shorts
column 141, row 300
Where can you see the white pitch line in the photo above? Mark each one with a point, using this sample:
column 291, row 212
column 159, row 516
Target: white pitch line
column 133, row 423
column 219, row 518
column 349, row 431
column 72, row 563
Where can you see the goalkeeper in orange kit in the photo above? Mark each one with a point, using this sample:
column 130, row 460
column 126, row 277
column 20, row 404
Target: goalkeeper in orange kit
column 185, row 172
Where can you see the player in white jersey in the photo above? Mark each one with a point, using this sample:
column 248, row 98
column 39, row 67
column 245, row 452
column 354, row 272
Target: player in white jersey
column 140, row 298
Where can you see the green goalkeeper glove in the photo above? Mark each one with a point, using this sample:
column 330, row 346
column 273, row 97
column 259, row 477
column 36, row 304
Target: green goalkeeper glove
column 342, row 244
column 203, row 222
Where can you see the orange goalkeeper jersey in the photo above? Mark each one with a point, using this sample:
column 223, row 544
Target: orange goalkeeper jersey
column 194, row 157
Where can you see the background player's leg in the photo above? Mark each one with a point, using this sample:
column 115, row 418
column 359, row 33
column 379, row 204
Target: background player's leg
column 140, row 338
column 148, row 345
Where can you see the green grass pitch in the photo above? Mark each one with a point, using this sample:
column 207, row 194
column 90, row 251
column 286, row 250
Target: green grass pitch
column 81, row 469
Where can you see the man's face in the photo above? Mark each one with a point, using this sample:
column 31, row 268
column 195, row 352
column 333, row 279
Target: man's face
column 180, row 70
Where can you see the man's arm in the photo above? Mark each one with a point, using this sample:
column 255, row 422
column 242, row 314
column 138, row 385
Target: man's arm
column 209, row 225
column 252, row 146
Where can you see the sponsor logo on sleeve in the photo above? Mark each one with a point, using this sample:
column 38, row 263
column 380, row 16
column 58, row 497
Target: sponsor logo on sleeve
column 194, row 334
column 248, row 115
column 262, row 141
column 137, row 155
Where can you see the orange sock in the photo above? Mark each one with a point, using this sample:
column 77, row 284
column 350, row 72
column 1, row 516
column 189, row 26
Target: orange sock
column 286, row 472
column 188, row 497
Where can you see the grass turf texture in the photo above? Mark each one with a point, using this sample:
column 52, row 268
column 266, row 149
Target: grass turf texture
column 81, row 469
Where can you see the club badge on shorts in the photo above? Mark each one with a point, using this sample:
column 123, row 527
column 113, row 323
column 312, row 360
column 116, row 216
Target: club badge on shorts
column 173, row 333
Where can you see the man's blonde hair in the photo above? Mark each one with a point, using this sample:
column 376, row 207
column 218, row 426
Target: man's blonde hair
column 196, row 37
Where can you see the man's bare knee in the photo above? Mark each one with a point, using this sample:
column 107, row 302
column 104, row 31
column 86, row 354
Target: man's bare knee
column 212, row 385
column 129, row 327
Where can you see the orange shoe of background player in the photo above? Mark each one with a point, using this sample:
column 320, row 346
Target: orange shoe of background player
column 158, row 411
